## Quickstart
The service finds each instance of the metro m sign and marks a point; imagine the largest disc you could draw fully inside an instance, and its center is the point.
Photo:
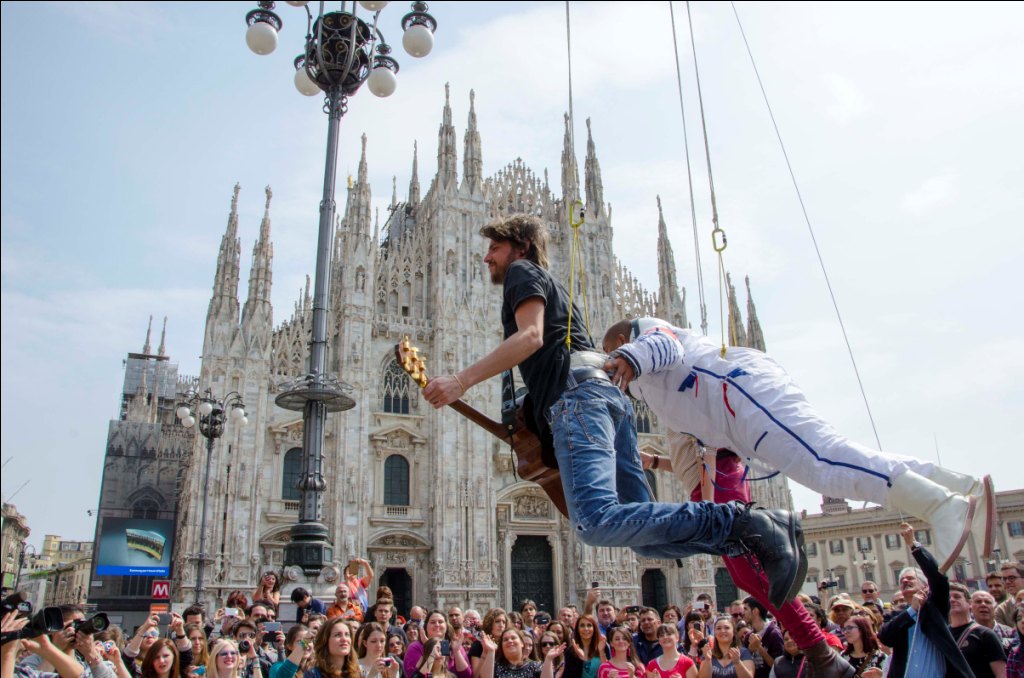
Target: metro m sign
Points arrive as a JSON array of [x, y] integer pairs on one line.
[[161, 589]]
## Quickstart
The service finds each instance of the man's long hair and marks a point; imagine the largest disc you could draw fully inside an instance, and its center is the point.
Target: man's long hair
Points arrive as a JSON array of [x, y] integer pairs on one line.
[[522, 230]]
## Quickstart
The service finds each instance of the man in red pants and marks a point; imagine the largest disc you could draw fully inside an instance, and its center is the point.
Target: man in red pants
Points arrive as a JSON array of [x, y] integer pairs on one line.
[[724, 483]]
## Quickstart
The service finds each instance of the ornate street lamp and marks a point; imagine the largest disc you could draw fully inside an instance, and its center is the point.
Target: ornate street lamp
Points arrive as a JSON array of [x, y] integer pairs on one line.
[[867, 564], [211, 419], [339, 57]]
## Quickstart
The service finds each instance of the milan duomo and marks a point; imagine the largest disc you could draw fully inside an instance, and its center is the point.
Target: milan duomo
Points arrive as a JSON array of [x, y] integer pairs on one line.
[[426, 496]]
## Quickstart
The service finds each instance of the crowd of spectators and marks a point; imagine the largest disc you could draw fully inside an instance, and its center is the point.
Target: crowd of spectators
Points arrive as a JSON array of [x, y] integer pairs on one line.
[[351, 638]]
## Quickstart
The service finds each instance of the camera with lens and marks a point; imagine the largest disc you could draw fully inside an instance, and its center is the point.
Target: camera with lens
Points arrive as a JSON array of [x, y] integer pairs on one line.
[[829, 584], [46, 620], [244, 646], [94, 624]]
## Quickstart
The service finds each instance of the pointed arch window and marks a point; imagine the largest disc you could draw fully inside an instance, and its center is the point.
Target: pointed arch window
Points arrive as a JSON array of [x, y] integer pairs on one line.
[[643, 416], [291, 474], [145, 508], [396, 382], [396, 481]]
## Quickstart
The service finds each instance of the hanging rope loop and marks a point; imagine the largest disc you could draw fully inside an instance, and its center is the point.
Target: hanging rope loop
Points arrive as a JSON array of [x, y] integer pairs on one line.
[[573, 220], [718, 240]]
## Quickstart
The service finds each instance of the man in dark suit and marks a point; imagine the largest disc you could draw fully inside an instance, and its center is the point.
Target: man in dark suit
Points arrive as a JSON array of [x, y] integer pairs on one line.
[[921, 642]]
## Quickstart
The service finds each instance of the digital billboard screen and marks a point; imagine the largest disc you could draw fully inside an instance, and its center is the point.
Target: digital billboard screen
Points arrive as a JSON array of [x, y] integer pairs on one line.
[[133, 546]]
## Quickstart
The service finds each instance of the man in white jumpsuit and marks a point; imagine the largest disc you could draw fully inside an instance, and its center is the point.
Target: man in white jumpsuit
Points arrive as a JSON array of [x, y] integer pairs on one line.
[[747, 403]]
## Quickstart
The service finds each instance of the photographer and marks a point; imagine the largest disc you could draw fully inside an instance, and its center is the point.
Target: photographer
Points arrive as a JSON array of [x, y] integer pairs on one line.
[[373, 660], [298, 645], [62, 640], [65, 665], [248, 636]]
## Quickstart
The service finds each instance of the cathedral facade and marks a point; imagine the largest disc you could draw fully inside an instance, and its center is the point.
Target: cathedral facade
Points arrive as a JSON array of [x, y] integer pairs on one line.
[[429, 498]]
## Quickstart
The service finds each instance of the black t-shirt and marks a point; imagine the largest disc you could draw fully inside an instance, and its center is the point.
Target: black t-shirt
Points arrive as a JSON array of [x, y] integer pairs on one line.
[[546, 370], [979, 646]]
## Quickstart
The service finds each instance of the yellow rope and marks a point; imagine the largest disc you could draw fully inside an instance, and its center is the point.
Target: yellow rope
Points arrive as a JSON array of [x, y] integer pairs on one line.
[[576, 254]]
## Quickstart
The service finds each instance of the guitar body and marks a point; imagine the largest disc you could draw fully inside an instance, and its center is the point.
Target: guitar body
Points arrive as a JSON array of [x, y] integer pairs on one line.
[[535, 453]]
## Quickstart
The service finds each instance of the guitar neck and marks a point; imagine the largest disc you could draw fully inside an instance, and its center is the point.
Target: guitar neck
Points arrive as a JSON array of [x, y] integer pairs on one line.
[[480, 419]]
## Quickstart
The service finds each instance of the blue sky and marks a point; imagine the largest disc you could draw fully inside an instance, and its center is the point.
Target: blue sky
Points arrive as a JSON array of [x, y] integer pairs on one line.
[[124, 134]]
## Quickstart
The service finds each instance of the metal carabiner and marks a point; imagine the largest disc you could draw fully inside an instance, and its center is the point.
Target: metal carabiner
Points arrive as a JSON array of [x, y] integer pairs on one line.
[[715, 236]]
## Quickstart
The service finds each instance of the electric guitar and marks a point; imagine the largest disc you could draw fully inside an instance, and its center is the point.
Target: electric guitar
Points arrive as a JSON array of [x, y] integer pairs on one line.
[[534, 458]]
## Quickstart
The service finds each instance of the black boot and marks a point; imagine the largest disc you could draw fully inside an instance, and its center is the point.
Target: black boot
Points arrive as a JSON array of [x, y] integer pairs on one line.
[[775, 538], [826, 662]]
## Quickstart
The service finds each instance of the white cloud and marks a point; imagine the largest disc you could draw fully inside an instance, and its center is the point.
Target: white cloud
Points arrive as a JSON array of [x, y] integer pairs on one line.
[[933, 194], [849, 102]]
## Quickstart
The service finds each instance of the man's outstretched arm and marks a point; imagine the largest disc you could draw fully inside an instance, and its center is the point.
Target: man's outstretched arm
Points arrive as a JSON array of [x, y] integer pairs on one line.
[[527, 340]]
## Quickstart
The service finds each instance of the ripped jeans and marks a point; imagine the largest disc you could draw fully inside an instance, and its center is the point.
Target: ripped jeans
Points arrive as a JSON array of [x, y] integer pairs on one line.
[[609, 500]]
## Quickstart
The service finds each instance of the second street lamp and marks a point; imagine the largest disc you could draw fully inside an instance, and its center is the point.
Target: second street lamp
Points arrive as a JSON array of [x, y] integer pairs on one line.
[[338, 58], [211, 419]]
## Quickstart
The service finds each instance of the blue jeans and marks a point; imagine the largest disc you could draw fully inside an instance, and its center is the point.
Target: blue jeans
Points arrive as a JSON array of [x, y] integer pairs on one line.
[[609, 500]]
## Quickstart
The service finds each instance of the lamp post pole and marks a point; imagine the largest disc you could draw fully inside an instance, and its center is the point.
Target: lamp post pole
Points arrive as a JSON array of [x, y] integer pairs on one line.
[[338, 58], [211, 412]]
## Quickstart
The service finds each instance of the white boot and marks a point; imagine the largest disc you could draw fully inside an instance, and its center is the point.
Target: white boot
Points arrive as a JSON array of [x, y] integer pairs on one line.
[[949, 515], [983, 528]]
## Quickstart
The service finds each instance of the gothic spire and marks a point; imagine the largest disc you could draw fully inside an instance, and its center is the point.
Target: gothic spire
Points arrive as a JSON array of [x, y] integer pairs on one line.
[[163, 339], [447, 158], [755, 335], [357, 213], [737, 335], [394, 192], [570, 171], [261, 273], [473, 164], [414, 182], [592, 175], [224, 303], [146, 348], [671, 305]]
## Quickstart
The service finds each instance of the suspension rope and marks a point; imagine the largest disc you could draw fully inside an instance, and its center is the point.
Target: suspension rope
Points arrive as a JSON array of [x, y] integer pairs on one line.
[[718, 239], [810, 229], [576, 248], [689, 179]]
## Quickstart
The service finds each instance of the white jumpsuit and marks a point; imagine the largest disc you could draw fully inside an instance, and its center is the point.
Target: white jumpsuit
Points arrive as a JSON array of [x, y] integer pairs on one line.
[[746, 402]]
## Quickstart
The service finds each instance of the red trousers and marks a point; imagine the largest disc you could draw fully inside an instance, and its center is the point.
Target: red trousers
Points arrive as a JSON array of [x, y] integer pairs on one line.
[[730, 485]]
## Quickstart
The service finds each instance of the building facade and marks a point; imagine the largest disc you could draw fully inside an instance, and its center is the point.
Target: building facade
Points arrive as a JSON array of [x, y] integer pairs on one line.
[[430, 499], [849, 545], [143, 470], [14, 531]]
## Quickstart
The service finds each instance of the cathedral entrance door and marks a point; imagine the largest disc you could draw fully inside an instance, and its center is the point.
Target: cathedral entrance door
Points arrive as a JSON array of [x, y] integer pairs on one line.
[[655, 590], [532, 573], [400, 583], [725, 589]]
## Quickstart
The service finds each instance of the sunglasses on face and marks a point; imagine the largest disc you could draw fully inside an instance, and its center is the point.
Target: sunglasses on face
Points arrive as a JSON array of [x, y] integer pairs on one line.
[[227, 653], [867, 590], [547, 643]]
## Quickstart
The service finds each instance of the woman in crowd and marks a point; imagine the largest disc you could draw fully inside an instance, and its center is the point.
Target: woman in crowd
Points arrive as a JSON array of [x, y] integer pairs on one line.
[[670, 664], [372, 650], [791, 663], [840, 610], [515, 619], [437, 629], [623, 657], [269, 588], [145, 636], [225, 661], [396, 647], [494, 624], [508, 658], [315, 623], [529, 646], [163, 660], [333, 654], [298, 650], [432, 663], [560, 631], [862, 651], [238, 600], [725, 658], [586, 649], [694, 638], [548, 651], [200, 651]]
